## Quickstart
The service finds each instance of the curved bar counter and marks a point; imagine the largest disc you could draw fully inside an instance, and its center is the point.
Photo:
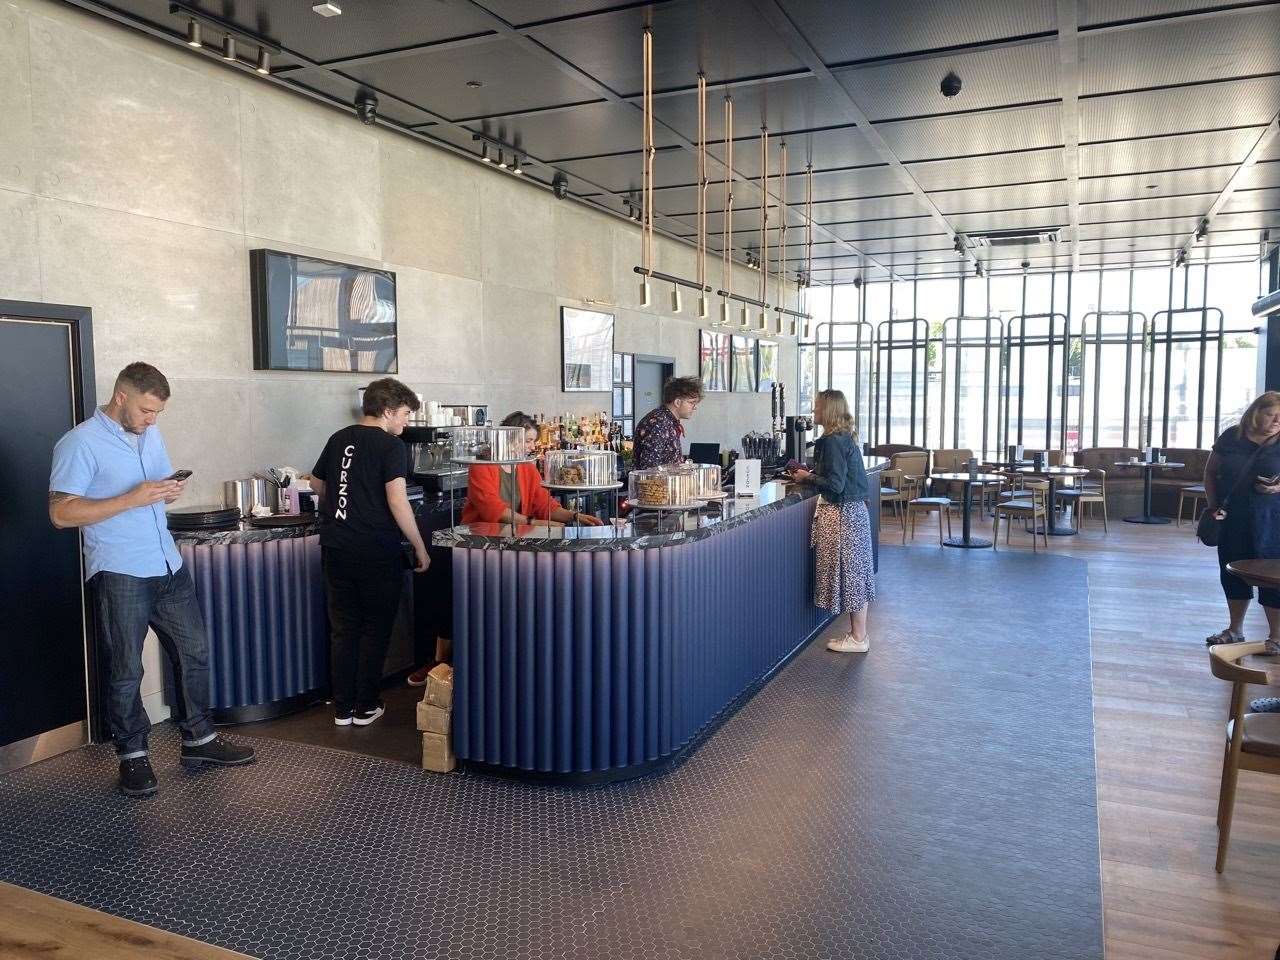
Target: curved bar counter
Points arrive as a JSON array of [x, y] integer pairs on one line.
[[607, 653], [262, 595]]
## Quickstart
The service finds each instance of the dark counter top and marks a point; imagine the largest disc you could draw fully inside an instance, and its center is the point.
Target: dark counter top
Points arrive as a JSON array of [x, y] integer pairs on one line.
[[242, 533], [650, 529]]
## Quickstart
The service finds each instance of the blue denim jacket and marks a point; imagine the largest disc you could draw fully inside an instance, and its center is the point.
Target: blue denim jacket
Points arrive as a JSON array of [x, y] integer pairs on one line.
[[838, 470]]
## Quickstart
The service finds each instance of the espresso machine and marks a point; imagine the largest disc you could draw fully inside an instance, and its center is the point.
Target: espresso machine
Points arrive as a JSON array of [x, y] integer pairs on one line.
[[430, 452]]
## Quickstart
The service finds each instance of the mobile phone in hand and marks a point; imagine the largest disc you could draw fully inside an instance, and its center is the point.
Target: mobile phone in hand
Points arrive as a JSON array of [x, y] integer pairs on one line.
[[180, 475]]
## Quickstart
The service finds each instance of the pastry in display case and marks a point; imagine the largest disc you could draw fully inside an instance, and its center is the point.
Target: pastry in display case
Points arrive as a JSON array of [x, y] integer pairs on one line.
[[580, 468], [664, 487]]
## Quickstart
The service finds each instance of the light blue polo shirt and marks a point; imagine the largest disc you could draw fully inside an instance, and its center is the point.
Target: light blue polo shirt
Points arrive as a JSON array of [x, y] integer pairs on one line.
[[96, 461]]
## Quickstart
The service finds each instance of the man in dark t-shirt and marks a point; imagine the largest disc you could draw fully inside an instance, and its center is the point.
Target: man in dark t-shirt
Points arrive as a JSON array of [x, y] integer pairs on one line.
[[364, 508]]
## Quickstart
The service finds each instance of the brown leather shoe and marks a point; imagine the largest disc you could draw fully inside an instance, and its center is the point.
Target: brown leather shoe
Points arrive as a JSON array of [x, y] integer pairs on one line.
[[419, 677]]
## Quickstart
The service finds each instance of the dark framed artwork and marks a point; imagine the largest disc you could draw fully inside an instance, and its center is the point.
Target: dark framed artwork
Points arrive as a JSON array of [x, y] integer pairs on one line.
[[586, 351], [321, 315], [743, 366], [766, 365], [713, 360]]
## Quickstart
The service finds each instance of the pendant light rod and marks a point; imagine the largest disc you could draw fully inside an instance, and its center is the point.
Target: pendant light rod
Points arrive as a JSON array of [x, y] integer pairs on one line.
[[726, 270], [764, 211], [669, 278], [782, 226]]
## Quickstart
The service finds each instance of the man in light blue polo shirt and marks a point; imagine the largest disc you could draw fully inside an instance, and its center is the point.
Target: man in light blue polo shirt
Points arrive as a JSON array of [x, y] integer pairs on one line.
[[111, 478]]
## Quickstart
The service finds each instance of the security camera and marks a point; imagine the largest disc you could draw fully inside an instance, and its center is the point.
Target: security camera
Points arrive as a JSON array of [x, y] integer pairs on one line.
[[366, 106], [560, 185], [950, 85], [857, 283]]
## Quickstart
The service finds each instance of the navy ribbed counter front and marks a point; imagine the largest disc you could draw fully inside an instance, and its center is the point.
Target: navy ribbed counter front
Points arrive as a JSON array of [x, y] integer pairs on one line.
[[609, 653]]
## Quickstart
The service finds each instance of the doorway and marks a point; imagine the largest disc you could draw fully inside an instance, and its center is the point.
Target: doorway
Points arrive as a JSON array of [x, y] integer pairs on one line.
[[650, 374], [46, 653]]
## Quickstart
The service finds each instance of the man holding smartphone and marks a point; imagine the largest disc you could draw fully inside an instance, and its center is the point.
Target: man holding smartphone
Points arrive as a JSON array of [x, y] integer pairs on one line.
[[112, 477]]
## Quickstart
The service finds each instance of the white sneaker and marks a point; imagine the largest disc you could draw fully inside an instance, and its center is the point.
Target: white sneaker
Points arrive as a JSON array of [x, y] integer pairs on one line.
[[849, 644]]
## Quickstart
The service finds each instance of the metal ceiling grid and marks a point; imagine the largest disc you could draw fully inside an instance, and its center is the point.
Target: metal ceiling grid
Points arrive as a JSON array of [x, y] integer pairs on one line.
[[522, 12], [1247, 200], [1024, 166], [674, 166], [878, 181], [1230, 103], [1244, 43], [366, 27], [1137, 228], [587, 130], [825, 149], [878, 208], [1170, 152], [937, 241], [848, 32], [1121, 245], [1093, 12], [1001, 198], [343, 89], [919, 226], [512, 77], [963, 134], [708, 35], [1261, 175], [683, 201], [784, 105], [1145, 209], [1258, 221], [999, 77], [1163, 184], [1011, 219]]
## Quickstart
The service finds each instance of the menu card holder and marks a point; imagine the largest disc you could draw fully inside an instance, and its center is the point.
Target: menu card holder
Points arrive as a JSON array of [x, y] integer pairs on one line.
[[746, 478]]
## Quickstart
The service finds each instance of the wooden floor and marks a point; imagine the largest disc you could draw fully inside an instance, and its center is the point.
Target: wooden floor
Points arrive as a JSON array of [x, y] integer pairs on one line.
[[36, 927], [1159, 718]]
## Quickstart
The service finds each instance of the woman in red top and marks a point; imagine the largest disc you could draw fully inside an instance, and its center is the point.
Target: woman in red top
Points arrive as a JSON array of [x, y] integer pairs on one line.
[[498, 495]]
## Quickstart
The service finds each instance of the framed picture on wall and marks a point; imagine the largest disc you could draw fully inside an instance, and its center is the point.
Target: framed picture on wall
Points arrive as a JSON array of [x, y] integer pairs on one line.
[[321, 315], [743, 367], [586, 351], [713, 360], [766, 365]]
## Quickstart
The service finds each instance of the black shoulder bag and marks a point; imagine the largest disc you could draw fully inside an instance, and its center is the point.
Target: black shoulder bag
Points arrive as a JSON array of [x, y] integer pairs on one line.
[[1209, 528]]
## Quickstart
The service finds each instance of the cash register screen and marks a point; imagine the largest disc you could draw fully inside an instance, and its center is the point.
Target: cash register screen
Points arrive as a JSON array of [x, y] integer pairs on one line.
[[708, 453]]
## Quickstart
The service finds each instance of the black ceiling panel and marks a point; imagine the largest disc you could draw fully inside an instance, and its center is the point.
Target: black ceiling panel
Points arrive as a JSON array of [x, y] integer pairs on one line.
[[1025, 166], [672, 167], [709, 35], [1235, 103], [977, 133], [845, 32], [1136, 186], [846, 184], [344, 90], [522, 12], [584, 131], [513, 79], [1117, 11], [783, 105], [369, 26], [1246, 43], [991, 78], [825, 149]]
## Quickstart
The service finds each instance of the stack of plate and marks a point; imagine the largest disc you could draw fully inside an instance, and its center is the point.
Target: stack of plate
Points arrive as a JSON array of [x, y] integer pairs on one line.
[[202, 518]]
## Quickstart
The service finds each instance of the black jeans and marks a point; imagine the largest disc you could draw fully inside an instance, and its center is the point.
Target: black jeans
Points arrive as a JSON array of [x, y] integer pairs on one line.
[[125, 607], [363, 597]]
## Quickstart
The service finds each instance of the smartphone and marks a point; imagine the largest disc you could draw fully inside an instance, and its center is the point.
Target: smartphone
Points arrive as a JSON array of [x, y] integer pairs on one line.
[[180, 475]]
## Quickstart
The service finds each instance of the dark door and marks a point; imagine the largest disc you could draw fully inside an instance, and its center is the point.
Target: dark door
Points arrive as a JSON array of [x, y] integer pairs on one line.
[[44, 703], [650, 375]]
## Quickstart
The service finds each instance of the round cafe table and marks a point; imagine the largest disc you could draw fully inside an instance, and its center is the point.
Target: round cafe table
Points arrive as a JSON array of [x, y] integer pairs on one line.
[[966, 541], [1147, 467], [1052, 474]]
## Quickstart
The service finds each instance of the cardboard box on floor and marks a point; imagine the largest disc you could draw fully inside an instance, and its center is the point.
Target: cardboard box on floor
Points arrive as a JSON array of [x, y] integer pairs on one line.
[[433, 719], [440, 687], [437, 753]]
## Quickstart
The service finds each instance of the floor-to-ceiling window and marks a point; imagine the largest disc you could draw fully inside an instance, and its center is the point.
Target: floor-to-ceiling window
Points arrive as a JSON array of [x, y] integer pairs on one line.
[[1098, 358]]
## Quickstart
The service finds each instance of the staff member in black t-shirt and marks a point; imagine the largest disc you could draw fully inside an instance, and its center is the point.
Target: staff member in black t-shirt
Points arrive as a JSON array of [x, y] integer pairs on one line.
[[360, 478]]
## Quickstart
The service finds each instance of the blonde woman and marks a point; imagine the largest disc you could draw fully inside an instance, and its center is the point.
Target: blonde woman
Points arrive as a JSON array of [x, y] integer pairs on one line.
[[1249, 509], [845, 579]]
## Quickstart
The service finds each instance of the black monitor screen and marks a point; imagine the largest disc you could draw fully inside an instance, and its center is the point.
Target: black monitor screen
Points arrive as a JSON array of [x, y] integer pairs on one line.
[[311, 314], [708, 453]]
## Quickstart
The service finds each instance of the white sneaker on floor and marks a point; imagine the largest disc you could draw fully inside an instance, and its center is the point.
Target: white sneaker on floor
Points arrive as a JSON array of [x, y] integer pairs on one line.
[[849, 644]]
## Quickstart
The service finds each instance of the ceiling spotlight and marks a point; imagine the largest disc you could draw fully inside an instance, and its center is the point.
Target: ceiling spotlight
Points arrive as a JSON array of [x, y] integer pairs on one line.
[[193, 33], [484, 151], [1202, 229], [264, 61], [502, 160], [475, 84], [326, 9], [560, 185], [366, 106], [518, 167], [950, 85], [857, 283], [228, 47], [1182, 258], [1152, 186], [675, 299], [958, 246]]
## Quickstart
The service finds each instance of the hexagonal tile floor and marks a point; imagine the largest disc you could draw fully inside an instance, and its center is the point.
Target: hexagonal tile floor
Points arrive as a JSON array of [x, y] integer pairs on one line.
[[932, 799]]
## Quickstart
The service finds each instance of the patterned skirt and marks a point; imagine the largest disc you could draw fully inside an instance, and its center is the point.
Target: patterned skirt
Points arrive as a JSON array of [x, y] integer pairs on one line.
[[844, 570]]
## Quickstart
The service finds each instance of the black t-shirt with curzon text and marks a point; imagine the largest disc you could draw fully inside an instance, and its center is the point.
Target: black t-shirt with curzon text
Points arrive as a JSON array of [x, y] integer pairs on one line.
[[356, 465]]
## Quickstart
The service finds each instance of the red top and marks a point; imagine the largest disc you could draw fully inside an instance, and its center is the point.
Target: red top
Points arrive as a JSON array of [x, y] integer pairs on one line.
[[484, 501]]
